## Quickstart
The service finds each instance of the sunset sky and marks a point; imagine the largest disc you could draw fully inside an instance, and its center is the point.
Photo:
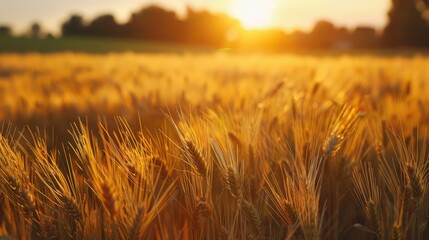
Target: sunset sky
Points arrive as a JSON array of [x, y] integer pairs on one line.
[[286, 14]]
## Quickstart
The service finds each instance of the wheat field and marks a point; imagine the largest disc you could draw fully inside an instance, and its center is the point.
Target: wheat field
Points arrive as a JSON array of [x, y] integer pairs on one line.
[[213, 146]]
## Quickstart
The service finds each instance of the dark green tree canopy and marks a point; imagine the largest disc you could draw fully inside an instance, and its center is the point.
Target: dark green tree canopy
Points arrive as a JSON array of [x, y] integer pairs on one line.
[[5, 30], [75, 25], [35, 30], [406, 26], [104, 26]]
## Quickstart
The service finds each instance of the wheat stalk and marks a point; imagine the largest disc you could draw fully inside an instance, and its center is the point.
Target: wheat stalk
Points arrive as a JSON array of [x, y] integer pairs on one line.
[[252, 216], [134, 232], [196, 158]]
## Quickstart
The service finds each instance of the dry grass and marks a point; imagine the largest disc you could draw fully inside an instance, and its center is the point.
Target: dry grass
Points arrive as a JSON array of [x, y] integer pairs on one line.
[[213, 147]]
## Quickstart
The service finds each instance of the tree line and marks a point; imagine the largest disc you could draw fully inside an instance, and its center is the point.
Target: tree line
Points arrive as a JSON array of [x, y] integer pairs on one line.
[[406, 27], [205, 28], [155, 23]]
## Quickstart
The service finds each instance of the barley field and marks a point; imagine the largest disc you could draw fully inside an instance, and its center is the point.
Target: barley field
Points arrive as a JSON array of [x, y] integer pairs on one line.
[[213, 146]]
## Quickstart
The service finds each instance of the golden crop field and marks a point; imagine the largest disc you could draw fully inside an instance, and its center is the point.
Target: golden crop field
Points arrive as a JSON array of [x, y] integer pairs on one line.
[[213, 146]]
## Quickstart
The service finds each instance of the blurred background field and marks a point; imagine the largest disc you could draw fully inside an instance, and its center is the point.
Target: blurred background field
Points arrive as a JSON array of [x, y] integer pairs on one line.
[[56, 89], [101, 46], [91, 45]]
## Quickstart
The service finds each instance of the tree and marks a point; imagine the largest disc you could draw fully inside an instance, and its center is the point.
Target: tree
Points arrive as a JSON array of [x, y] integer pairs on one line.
[[154, 23], [35, 30], [406, 26], [326, 35], [206, 28], [103, 26], [364, 37], [5, 31], [73, 26]]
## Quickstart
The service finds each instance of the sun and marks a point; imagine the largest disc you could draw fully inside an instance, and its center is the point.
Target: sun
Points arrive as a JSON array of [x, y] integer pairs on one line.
[[253, 13]]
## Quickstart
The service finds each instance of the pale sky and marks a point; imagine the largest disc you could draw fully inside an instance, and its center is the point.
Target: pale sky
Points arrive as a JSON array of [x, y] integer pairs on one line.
[[286, 14]]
